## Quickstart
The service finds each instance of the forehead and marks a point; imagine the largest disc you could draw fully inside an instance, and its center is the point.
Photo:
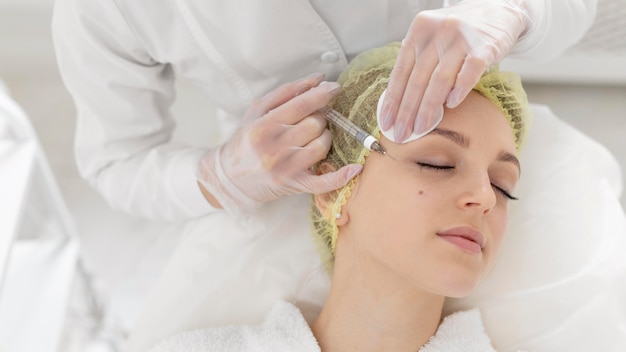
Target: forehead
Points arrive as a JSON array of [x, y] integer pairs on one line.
[[478, 116]]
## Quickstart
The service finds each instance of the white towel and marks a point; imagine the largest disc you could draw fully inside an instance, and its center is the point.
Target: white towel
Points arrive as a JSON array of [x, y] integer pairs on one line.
[[461, 331], [285, 329]]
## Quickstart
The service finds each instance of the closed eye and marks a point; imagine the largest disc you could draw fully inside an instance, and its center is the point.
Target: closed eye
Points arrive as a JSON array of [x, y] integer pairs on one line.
[[435, 167], [504, 193], [450, 167]]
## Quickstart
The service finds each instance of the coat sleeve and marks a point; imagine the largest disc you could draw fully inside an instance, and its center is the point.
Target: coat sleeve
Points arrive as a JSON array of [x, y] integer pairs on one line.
[[555, 25], [123, 135]]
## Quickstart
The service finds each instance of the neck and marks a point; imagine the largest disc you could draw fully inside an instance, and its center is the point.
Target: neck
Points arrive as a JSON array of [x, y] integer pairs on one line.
[[370, 309]]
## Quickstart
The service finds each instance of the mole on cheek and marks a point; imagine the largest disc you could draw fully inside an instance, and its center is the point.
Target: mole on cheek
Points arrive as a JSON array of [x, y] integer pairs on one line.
[[421, 193]]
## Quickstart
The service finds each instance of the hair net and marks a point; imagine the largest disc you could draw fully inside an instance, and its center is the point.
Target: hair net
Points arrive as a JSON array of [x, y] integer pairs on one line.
[[362, 83]]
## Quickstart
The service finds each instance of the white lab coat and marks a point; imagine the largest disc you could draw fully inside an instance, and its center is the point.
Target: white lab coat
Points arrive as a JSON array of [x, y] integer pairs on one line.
[[120, 59]]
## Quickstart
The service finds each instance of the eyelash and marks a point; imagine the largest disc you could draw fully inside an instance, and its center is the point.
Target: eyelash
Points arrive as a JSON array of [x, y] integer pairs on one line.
[[505, 193], [435, 167], [447, 168]]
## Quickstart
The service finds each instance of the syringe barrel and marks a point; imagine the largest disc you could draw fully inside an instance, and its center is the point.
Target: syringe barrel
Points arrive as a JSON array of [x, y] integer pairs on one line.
[[346, 124], [360, 135]]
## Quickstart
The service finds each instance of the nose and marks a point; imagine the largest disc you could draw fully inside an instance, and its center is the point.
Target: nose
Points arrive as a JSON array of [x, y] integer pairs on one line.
[[477, 193]]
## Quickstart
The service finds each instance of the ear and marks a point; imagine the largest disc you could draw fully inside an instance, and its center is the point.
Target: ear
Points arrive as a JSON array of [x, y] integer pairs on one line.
[[323, 201]]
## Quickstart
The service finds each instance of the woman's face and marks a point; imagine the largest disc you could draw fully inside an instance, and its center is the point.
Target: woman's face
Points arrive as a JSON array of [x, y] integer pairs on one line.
[[434, 211]]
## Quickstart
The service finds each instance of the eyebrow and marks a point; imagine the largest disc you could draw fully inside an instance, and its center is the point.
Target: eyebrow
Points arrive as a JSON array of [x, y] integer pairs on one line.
[[508, 157], [464, 142], [456, 137]]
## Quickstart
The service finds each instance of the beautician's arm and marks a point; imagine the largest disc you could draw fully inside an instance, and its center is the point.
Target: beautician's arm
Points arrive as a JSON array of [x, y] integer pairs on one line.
[[123, 137], [554, 27]]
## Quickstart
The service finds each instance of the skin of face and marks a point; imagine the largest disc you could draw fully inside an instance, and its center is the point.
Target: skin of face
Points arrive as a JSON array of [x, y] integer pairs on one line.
[[402, 202]]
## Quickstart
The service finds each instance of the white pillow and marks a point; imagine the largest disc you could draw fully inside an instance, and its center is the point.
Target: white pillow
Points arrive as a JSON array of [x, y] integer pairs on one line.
[[559, 284]]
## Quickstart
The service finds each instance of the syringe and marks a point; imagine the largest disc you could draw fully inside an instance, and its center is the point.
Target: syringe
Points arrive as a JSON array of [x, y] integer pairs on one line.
[[363, 137]]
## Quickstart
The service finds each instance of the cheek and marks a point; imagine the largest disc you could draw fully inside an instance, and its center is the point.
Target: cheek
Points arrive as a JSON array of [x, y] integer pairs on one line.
[[403, 200], [418, 204], [401, 192]]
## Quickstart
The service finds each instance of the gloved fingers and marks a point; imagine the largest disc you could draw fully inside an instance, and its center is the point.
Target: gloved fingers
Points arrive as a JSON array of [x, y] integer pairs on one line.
[[305, 104], [452, 52], [288, 163], [468, 36], [409, 78], [303, 132], [316, 149], [398, 80], [426, 61], [282, 95], [410, 68], [437, 64], [318, 184], [272, 140], [467, 78], [301, 158]]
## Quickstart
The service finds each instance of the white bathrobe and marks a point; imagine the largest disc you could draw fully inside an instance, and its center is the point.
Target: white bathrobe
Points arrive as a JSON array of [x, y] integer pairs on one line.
[[285, 329]]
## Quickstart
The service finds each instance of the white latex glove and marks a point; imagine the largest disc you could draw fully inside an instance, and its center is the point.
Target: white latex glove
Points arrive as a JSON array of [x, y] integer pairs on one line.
[[270, 156], [443, 56]]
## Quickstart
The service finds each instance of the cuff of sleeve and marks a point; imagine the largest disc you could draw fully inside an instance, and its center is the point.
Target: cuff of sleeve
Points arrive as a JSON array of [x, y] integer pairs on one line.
[[184, 183], [537, 12], [554, 27]]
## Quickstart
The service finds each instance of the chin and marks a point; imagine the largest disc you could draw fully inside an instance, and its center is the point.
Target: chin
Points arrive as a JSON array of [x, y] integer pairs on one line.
[[460, 292], [460, 287], [457, 279]]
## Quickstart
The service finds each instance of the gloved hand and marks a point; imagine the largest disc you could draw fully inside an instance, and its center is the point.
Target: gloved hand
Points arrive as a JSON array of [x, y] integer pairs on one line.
[[270, 156], [443, 56]]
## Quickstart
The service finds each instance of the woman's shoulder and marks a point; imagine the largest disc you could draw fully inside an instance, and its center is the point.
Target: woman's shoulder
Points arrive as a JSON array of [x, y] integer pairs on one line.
[[284, 329]]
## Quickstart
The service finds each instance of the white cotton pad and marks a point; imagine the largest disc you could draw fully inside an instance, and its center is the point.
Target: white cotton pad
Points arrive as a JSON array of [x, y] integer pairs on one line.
[[389, 134]]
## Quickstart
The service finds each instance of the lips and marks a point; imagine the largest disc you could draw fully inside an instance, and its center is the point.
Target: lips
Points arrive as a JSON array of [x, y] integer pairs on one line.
[[464, 237]]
